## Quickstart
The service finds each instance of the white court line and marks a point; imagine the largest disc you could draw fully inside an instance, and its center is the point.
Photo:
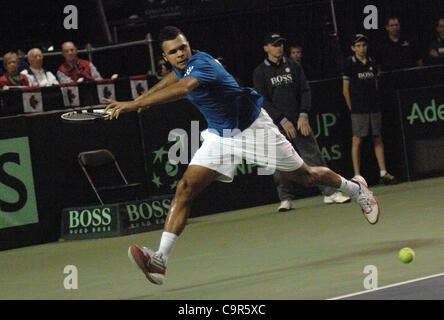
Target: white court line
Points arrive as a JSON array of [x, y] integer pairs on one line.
[[385, 287]]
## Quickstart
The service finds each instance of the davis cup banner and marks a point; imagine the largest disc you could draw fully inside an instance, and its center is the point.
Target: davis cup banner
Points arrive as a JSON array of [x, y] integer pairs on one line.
[[18, 204]]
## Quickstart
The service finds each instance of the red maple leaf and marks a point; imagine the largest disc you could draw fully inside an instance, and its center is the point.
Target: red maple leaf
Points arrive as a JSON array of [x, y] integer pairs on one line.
[[33, 102], [106, 92], [140, 89]]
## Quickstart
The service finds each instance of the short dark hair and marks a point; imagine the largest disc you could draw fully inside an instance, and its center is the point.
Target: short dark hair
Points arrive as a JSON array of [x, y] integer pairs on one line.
[[440, 19], [393, 17], [169, 33], [295, 45]]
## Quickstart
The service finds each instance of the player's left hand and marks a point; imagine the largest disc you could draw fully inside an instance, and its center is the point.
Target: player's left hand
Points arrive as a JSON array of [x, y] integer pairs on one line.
[[118, 107], [304, 125]]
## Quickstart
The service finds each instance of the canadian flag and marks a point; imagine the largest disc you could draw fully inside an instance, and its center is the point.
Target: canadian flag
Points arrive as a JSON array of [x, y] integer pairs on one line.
[[70, 94], [32, 99], [105, 89], [138, 85]]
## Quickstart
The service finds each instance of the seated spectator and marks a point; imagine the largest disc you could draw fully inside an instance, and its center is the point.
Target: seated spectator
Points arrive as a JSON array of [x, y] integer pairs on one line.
[[22, 64], [12, 77], [75, 68], [396, 51], [38, 76], [436, 48]]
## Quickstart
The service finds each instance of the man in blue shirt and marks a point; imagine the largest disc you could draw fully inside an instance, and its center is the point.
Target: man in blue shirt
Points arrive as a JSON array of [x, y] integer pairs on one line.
[[236, 122]]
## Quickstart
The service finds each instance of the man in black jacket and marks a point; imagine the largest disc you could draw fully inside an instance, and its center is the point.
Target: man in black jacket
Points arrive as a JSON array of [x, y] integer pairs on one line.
[[287, 100]]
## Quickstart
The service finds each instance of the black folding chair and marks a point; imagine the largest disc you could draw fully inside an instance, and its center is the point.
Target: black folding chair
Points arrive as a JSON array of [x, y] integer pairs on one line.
[[106, 178]]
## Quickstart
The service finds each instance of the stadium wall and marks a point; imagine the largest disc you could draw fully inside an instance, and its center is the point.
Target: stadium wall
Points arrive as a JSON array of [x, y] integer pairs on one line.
[[40, 175]]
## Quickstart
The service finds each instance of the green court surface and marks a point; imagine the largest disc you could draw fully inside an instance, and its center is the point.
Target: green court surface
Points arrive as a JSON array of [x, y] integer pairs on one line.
[[314, 252]]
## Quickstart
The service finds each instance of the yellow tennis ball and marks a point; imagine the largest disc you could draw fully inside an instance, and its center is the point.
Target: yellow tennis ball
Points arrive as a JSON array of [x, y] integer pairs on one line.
[[406, 255]]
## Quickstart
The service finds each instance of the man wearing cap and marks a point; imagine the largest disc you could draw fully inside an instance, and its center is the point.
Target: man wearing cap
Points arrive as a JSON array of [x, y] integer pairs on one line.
[[287, 100], [360, 92]]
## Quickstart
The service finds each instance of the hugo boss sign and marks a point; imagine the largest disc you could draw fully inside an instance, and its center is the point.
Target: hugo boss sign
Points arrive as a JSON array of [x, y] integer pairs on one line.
[[115, 219], [145, 215], [90, 222]]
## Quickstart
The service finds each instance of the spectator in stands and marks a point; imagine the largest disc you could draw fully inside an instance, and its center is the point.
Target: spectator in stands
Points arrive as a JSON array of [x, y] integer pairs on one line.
[[75, 68], [436, 48], [38, 76], [163, 68], [360, 91], [396, 51], [12, 77], [296, 54], [287, 99]]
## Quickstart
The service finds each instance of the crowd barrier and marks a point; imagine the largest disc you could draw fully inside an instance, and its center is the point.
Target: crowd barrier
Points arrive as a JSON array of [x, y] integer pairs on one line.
[[41, 99], [40, 176]]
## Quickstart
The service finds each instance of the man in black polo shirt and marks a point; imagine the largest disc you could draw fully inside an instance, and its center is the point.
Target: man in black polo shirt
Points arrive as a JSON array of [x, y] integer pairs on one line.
[[395, 50], [287, 100], [360, 92], [436, 48]]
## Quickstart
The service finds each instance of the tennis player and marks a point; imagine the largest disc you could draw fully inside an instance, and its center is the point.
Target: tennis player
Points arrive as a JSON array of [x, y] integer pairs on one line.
[[230, 111]]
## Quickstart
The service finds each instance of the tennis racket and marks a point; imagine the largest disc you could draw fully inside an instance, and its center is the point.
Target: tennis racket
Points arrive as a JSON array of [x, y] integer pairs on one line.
[[85, 116]]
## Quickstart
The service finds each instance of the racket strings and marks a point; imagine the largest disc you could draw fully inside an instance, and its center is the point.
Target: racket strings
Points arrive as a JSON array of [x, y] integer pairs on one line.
[[75, 116]]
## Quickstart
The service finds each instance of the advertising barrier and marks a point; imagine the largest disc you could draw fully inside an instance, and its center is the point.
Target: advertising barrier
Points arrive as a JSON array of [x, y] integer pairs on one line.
[[421, 113], [17, 101], [17, 197], [111, 220]]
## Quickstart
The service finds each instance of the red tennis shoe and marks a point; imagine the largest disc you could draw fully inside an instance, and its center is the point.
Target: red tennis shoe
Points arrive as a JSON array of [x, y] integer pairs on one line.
[[152, 264]]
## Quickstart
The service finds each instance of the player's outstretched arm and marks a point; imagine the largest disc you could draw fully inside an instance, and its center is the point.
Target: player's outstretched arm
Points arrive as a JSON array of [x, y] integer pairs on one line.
[[173, 92], [166, 81]]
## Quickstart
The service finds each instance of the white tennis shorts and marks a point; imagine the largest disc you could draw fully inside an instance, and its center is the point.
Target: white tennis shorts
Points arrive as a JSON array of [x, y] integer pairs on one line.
[[262, 144]]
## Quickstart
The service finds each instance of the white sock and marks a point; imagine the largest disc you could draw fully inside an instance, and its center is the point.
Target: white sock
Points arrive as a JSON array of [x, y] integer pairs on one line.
[[349, 187], [167, 242], [382, 172]]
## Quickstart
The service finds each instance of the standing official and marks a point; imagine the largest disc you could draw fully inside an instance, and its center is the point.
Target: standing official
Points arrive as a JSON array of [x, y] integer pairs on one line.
[[396, 51], [287, 99], [436, 48], [360, 92]]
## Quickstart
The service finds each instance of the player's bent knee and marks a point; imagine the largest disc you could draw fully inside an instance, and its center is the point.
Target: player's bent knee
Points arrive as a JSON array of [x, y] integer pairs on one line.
[[184, 191]]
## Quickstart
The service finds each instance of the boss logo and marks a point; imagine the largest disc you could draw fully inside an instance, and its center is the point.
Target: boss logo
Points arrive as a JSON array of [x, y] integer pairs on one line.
[[90, 217], [366, 75], [281, 79], [148, 210]]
